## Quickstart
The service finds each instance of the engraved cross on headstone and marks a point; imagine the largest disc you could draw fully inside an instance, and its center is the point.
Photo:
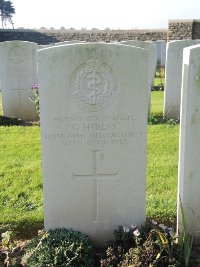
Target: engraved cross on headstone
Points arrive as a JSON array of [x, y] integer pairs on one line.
[[95, 175], [19, 86], [20, 93]]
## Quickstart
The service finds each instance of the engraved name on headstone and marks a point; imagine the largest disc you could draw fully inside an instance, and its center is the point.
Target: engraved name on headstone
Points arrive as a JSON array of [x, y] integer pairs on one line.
[[93, 120]]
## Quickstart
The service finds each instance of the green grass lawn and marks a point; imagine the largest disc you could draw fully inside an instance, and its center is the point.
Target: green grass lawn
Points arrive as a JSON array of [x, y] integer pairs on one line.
[[21, 199], [20, 173], [159, 81], [157, 101], [162, 171]]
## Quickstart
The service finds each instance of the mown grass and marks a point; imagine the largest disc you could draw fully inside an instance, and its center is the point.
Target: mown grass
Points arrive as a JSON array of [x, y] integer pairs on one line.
[[159, 81], [157, 101], [20, 175], [21, 199], [162, 165], [162, 171]]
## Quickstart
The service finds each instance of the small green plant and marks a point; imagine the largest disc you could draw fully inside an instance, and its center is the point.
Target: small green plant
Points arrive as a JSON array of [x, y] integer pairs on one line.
[[114, 255], [153, 245], [159, 80], [7, 239], [35, 97], [155, 249], [185, 240], [152, 119], [160, 72], [123, 240], [7, 243], [60, 248], [124, 237], [6, 121], [156, 119], [172, 121]]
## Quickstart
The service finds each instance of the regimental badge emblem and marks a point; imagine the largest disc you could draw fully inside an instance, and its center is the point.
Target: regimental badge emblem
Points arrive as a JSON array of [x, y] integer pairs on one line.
[[18, 54], [93, 87]]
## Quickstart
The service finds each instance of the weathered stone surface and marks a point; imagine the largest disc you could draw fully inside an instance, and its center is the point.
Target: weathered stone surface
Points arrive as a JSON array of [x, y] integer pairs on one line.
[[69, 42], [161, 53], [152, 57], [44, 37], [151, 60], [45, 46], [93, 119], [186, 29], [189, 167], [177, 30], [173, 77], [18, 73]]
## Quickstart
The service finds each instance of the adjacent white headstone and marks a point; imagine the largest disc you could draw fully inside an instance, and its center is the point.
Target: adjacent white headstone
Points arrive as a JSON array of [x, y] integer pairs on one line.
[[69, 42], [45, 46], [59, 43], [161, 53], [93, 120], [151, 60], [18, 73], [189, 151], [173, 77], [152, 56]]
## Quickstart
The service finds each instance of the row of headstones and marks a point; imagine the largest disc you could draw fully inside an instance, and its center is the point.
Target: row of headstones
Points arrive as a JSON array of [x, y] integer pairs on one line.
[[182, 101], [173, 77], [160, 49], [94, 137], [18, 73], [171, 57], [94, 106]]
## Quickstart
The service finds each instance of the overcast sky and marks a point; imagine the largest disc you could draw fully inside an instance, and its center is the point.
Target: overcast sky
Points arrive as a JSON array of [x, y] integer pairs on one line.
[[114, 14]]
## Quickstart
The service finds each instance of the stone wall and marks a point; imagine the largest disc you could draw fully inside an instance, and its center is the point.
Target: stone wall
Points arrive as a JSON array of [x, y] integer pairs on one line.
[[183, 29], [43, 37], [196, 29], [177, 30]]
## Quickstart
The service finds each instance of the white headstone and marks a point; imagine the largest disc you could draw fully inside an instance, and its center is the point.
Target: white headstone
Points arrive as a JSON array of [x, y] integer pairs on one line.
[[45, 46], [161, 53], [152, 56], [151, 60], [18, 73], [69, 42], [189, 151], [93, 120], [173, 77]]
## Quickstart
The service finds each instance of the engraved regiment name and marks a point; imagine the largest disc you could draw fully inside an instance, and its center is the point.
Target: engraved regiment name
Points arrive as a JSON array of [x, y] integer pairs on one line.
[[95, 130]]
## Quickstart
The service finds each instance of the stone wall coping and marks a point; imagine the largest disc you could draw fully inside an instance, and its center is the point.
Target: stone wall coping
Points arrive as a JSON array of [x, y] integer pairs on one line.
[[81, 31], [181, 20]]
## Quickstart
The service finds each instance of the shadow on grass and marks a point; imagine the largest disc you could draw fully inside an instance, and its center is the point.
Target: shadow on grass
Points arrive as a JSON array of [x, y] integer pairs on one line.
[[152, 120], [7, 121], [24, 230], [158, 119]]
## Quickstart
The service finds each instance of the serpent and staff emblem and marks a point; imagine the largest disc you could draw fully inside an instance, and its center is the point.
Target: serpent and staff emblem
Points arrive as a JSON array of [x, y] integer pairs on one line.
[[92, 85]]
